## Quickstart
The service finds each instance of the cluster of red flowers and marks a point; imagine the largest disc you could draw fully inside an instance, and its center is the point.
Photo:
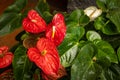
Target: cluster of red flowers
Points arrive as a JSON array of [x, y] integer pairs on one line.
[[45, 54]]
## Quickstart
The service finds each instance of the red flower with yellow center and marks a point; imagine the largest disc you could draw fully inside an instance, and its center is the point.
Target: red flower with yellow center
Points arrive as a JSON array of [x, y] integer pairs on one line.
[[45, 56], [34, 23], [56, 30], [5, 57]]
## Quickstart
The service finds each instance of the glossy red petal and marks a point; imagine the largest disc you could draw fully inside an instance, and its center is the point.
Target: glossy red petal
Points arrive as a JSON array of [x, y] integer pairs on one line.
[[33, 54], [6, 60], [58, 28], [34, 23], [48, 62], [58, 21], [44, 43], [4, 49]]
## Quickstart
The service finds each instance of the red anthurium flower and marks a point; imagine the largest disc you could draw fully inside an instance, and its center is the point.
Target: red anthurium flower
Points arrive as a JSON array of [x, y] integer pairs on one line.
[[45, 56], [34, 23], [56, 30], [5, 57]]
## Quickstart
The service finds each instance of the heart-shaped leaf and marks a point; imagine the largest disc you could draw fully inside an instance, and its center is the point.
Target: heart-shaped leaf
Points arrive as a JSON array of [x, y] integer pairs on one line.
[[84, 67], [68, 57], [92, 35], [105, 50], [114, 16], [73, 35]]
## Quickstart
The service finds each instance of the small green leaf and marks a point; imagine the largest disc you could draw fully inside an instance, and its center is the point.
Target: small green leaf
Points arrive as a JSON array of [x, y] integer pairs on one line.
[[101, 4], [105, 50], [75, 33], [99, 23], [84, 20], [75, 15], [109, 29], [68, 57], [21, 64], [92, 35], [114, 16], [105, 25]]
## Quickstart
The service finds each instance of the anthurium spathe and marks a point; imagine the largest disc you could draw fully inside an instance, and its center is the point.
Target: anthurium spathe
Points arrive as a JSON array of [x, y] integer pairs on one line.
[[45, 56], [34, 23], [56, 30], [5, 57]]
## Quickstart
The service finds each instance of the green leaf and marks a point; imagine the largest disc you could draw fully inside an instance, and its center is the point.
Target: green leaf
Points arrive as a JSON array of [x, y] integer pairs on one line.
[[16, 7], [84, 20], [113, 12], [73, 35], [68, 57], [47, 16], [112, 73], [114, 16], [12, 17], [112, 4], [102, 76], [109, 29], [105, 25], [75, 15], [42, 6], [9, 22], [101, 4], [105, 50], [71, 24], [83, 67], [21, 64], [92, 35], [99, 23]]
